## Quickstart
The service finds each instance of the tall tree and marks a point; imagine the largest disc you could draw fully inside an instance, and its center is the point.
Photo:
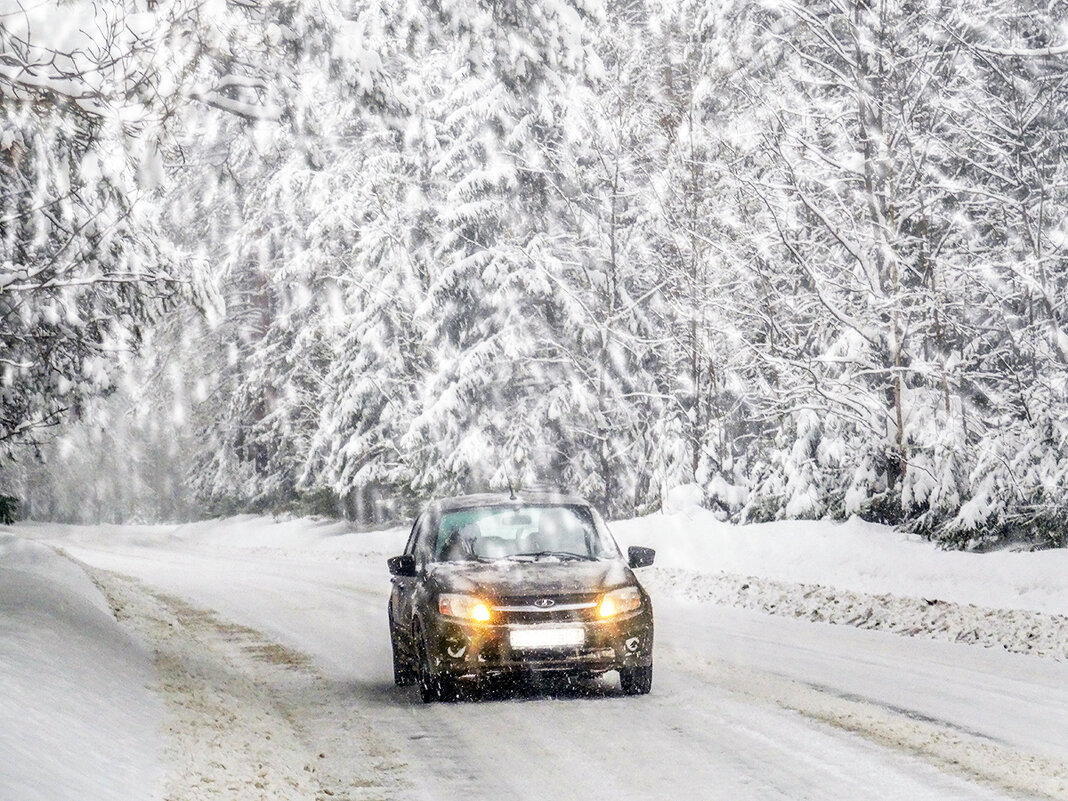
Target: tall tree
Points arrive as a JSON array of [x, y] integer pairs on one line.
[[82, 266]]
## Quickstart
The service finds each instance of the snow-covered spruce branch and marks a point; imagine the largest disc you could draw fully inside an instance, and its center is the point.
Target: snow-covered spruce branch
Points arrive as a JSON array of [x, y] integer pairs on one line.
[[57, 282], [21, 76], [50, 420], [266, 112], [1014, 52]]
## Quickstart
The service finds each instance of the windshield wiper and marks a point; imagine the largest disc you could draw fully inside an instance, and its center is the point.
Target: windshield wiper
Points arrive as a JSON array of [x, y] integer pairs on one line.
[[470, 558], [559, 554]]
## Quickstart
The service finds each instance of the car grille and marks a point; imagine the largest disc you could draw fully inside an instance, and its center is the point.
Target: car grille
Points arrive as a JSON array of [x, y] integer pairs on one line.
[[534, 609]]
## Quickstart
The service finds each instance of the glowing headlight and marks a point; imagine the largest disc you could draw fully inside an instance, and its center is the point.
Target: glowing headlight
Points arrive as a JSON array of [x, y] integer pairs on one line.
[[625, 599], [465, 606]]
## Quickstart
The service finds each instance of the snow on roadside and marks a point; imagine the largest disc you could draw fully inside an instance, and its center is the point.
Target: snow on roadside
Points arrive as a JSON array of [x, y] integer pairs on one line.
[[78, 718], [1015, 630], [858, 556], [851, 573], [860, 574], [314, 538]]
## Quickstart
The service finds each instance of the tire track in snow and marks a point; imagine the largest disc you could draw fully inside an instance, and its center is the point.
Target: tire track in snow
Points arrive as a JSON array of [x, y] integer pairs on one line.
[[242, 710], [951, 748]]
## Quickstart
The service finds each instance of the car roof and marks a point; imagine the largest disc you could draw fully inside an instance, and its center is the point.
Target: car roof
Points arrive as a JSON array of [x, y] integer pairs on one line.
[[504, 499]]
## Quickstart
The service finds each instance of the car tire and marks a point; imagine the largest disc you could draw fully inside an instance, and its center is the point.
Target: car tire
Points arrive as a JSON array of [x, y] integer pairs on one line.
[[403, 674], [431, 688], [637, 680], [448, 688]]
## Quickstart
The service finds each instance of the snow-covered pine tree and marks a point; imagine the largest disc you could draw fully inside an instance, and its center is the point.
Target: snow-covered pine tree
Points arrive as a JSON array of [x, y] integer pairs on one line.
[[502, 399], [705, 239], [306, 76], [379, 233], [611, 333], [1011, 189]]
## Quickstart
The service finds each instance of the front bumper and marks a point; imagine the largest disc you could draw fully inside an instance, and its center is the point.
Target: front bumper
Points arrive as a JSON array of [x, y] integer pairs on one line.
[[473, 650]]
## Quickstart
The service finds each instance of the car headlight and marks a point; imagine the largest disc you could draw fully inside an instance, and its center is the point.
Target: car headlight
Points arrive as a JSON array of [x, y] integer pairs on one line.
[[464, 606], [625, 599]]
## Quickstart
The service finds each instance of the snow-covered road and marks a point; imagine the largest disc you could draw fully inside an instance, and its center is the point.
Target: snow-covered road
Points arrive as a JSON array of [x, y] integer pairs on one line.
[[274, 654]]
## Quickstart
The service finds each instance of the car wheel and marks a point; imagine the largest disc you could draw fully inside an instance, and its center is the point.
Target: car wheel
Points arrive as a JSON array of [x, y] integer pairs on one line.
[[448, 688], [403, 675], [637, 680], [429, 685]]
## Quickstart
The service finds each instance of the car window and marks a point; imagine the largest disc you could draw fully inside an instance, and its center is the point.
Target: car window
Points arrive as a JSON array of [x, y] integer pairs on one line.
[[490, 533]]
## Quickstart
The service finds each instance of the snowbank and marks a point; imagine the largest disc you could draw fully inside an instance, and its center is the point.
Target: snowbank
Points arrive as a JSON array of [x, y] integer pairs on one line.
[[78, 719], [854, 555]]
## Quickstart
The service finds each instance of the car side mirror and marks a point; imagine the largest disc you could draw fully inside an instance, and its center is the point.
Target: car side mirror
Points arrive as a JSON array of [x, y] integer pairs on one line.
[[403, 565], [640, 557]]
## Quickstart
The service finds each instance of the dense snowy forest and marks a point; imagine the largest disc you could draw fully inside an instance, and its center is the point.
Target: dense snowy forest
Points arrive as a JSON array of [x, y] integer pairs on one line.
[[334, 256]]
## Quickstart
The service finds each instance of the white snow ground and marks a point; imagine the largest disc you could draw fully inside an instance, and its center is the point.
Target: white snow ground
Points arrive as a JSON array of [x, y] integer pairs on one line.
[[273, 660], [858, 556], [864, 575], [79, 715]]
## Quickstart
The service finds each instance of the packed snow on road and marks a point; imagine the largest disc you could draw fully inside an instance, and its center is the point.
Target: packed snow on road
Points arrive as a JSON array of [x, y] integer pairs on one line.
[[249, 658]]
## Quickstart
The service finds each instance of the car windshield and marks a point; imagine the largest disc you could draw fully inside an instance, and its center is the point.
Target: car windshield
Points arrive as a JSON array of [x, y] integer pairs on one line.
[[522, 533]]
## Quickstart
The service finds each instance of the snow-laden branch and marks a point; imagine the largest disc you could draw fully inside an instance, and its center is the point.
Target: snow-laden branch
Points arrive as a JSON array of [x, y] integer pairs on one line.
[[135, 278], [49, 420], [239, 81], [1040, 52], [267, 112], [20, 76]]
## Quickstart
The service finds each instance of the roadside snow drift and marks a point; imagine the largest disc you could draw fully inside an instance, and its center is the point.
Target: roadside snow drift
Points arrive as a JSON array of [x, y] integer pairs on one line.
[[78, 717], [854, 555], [860, 574]]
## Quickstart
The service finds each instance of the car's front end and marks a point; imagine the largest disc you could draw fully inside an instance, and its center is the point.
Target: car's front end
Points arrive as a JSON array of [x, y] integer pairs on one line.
[[472, 636], [492, 586]]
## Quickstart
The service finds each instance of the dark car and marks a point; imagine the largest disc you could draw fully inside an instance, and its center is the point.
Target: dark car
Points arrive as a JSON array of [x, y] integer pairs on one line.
[[492, 585]]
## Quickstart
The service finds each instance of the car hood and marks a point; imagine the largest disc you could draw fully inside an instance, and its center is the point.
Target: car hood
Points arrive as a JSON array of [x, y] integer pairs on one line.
[[544, 577]]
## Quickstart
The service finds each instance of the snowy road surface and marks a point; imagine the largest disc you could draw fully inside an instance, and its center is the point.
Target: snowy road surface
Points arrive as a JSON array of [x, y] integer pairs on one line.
[[273, 652]]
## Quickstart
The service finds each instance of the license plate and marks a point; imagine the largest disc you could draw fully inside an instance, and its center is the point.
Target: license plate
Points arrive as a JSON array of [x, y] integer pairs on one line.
[[541, 637]]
